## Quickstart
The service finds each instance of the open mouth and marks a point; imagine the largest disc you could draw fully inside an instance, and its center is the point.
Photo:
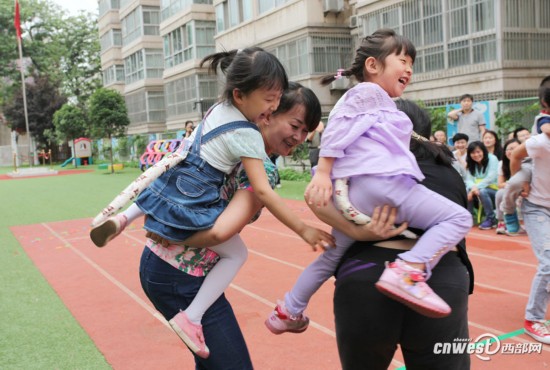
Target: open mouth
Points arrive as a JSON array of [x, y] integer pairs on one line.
[[403, 81]]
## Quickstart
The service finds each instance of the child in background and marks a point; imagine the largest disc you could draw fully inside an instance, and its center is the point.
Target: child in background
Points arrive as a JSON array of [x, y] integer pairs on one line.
[[367, 140], [519, 182], [536, 215], [186, 198]]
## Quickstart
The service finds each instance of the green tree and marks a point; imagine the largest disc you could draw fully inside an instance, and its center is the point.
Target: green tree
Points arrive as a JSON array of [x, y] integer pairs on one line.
[[108, 116], [70, 123], [43, 100], [80, 60], [63, 48]]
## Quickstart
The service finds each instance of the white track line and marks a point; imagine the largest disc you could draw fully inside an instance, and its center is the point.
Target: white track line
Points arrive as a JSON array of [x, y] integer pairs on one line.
[[110, 277]]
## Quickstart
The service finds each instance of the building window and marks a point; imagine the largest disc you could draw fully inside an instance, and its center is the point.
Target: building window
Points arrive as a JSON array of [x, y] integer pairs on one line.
[[113, 74], [231, 13], [331, 53], [171, 7], [266, 5], [145, 106], [458, 18], [155, 106], [136, 103], [484, 49], [184, 95], [106, 5], [459, 53], [145, 63], [113, 38], [483, 15], [194, 40], [141, 21]]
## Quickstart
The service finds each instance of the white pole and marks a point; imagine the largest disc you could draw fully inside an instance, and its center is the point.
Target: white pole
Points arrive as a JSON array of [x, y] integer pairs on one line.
[[31, 159]]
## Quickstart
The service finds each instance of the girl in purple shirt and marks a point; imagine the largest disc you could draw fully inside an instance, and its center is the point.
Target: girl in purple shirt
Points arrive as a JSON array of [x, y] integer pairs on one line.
[[366, 142]]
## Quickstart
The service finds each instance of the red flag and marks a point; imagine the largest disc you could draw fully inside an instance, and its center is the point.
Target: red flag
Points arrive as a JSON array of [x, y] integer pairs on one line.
[[17, 20]]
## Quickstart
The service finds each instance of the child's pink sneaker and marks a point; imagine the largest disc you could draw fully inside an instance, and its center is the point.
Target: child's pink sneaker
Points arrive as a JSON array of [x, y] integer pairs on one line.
[[407, 285], [538, 330], [190, 333], [108, 230], [281, 321]]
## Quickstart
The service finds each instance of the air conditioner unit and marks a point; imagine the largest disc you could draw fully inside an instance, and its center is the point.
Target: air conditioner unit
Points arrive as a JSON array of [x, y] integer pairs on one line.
[[333, 6], [339, 84], [355, 21]]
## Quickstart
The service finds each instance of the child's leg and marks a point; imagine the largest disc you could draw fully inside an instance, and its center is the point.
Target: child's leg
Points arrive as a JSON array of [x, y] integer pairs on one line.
[[445, 222], [233, 254], [288, 315], [114, 225], [314, 275], [513, 188], [187, 324], [131, 213]]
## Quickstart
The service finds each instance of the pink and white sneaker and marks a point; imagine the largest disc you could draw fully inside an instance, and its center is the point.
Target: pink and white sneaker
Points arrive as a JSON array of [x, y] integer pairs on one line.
[[407, 285], [281, 321], [107, 231], [191, 334]]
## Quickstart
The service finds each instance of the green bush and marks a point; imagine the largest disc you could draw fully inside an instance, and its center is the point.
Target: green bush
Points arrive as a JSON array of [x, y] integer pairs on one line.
[[288, 174]]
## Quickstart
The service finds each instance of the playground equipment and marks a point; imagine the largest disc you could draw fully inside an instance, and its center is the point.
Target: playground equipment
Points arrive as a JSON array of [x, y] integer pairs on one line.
[[156, 150], [81, 153]]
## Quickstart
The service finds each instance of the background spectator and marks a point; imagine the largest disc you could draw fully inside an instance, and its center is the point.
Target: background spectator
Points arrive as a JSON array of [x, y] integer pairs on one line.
[[469, 121], [492, 143]]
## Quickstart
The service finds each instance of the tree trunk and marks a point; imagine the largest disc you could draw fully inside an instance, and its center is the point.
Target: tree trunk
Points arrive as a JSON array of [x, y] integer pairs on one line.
[[74, 155], [111, 153]]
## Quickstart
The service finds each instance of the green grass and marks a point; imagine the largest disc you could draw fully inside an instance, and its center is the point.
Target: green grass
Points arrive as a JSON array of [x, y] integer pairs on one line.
[[36, 330]]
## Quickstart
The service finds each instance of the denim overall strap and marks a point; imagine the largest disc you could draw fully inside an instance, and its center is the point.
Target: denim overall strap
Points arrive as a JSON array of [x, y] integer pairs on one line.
[[200, 139], [228, 127]]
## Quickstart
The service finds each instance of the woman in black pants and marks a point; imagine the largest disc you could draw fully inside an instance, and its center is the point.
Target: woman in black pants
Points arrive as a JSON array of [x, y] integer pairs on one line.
[[369, 326]]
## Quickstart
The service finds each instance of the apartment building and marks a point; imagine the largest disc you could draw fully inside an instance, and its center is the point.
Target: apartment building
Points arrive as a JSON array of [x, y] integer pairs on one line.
[[151, 49]]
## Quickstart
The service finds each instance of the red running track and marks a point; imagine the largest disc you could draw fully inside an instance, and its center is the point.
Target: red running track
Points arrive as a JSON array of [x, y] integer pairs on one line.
[[100, 287]]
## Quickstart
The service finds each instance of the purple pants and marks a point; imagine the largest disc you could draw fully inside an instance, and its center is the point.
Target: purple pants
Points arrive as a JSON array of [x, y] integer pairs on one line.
[[445, 223]]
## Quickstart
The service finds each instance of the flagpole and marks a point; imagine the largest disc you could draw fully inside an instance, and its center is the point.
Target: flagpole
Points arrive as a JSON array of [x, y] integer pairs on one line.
[[17, 24], [24, 98]]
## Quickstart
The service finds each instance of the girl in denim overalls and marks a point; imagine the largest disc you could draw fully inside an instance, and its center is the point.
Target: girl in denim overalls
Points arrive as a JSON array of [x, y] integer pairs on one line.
[[186, 198]]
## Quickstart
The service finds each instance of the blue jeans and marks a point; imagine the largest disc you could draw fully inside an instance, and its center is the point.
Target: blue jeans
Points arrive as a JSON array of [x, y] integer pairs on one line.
[[487, 198], [537, 224], [172, 290]]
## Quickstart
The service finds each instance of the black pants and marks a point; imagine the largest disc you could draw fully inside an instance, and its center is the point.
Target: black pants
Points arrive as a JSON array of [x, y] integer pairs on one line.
[[369, 325]]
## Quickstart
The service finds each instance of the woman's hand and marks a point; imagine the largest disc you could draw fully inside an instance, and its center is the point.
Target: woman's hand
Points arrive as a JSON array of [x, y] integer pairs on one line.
[[317, 238], [382, 225]]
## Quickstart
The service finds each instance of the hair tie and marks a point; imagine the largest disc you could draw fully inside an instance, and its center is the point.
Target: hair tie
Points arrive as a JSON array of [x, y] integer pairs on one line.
[[417, 137], [339, 73]]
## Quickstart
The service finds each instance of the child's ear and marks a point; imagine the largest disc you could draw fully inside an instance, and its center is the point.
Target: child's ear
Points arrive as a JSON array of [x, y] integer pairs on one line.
[[237, 96], [371, 65]]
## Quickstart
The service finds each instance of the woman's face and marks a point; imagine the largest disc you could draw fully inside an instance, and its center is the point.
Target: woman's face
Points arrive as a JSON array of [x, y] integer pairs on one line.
[[477, 155], [283, 132], [509, 149], [489, 140]]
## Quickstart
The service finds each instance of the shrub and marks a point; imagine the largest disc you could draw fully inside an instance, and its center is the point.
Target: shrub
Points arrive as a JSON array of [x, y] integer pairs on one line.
[[289, 174]]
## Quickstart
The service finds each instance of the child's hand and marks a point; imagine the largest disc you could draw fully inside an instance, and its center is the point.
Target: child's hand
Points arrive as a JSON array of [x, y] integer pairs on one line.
[[317, 238], [319, 190]]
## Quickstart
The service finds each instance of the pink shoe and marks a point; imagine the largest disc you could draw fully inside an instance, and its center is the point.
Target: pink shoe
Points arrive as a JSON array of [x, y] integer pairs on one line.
[[407, 285], [281, 321], [538, 330], [108, 230], [190, 333]]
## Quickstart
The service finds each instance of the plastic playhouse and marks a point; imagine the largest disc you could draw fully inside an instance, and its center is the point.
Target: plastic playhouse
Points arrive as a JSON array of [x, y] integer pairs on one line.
[[81, 153], [156, 150]]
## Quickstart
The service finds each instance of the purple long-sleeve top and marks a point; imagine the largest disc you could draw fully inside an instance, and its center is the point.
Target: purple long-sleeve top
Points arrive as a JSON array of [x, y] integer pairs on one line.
[[368, 135]]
